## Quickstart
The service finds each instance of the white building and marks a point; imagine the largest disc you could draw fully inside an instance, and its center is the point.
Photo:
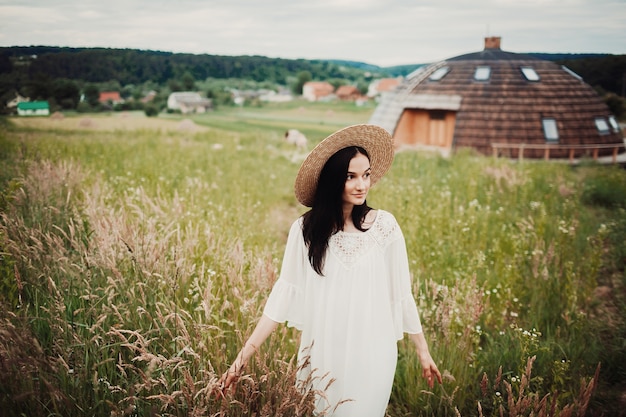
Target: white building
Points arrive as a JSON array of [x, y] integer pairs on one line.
[[188, 102]]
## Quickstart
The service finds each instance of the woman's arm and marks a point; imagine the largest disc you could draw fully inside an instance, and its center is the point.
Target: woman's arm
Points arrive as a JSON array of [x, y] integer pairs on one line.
[[263, 329], [429, 369]]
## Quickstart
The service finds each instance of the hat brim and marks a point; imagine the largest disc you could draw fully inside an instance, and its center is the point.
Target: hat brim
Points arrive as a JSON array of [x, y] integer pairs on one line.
[[375, 140]]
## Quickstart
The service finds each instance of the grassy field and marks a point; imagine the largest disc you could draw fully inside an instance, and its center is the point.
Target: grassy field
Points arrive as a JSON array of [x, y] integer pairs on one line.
[[136, 255]]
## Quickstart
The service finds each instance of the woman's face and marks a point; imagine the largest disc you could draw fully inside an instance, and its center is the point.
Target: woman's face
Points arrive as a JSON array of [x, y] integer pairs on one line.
[[357, 181]]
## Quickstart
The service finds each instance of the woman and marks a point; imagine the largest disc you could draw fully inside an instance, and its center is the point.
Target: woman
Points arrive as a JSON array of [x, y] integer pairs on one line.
[[345, 281]]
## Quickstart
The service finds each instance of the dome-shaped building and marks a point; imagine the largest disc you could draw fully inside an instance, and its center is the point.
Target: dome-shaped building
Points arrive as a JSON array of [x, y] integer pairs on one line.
[[500, 102]]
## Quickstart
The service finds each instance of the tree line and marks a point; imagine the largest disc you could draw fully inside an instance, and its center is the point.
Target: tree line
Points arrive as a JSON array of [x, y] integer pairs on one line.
[[42, 72], [62, 75]]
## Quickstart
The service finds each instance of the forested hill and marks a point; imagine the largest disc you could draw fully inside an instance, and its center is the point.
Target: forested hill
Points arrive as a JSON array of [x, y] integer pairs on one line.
[[62, 75], [129, 66]]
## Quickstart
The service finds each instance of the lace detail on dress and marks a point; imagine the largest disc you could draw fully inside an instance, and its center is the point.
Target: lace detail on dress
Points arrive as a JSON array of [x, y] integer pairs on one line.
[[349, 246], [385, 229]]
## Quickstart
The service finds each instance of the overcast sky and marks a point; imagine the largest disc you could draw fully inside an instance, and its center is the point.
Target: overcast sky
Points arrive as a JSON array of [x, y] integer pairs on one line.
[[380, 32]]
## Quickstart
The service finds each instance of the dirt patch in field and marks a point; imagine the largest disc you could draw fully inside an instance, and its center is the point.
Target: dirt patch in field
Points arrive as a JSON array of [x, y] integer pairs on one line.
[[117, 121], [281, 217], [187, 125]]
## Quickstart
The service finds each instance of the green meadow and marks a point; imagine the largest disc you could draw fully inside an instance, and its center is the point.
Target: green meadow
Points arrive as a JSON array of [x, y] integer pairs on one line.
[[136, 255]]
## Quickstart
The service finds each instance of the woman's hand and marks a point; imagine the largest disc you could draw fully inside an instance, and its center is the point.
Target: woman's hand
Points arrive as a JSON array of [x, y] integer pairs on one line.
[[263, 329], [429, 370], [228, 380]]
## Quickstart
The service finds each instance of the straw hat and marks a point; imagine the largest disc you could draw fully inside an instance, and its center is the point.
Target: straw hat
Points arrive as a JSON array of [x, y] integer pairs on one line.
[[375, 140]]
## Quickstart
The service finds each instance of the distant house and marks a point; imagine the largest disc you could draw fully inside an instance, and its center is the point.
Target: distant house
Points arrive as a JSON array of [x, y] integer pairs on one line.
[[18, 99], [33, 108], [382, 86], [110, 97], [188, 102], [281, 96], [348, 93], [317, 90], [150, 95]]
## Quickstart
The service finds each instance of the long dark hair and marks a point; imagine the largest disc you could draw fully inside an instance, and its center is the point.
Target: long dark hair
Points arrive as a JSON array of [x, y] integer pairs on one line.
[[326, 215]]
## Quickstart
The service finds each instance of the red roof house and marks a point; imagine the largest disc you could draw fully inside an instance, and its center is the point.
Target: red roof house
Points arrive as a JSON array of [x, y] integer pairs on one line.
[[348, 93], [316, 90], [110, 97]]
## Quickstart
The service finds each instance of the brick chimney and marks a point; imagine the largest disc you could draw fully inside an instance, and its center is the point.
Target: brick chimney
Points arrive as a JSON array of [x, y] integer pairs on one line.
[[492, 42]]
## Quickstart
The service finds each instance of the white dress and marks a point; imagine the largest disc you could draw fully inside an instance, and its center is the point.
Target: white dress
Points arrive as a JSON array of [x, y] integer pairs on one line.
[[352, 317]]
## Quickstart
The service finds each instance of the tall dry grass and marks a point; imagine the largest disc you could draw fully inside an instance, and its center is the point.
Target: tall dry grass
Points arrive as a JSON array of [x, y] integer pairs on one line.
[[133, 267], [130, 311]]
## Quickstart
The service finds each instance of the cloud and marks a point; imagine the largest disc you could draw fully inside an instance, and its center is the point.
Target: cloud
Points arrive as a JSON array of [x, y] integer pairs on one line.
[[383, 32]]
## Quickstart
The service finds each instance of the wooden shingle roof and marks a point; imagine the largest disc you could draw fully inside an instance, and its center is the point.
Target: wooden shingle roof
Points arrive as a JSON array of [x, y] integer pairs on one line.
[[506, 107]]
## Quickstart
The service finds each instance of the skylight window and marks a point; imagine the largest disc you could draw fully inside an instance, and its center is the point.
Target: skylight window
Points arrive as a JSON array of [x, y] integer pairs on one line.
[[602, 125], [530, 74], [613, 123], [572, 73], [482, 73], [550, 130], [416, 72], [439, 74]]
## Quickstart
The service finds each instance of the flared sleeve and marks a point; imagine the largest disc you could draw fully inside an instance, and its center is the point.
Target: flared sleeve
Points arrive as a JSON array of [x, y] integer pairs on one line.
[[404, 310], [286, 300]]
